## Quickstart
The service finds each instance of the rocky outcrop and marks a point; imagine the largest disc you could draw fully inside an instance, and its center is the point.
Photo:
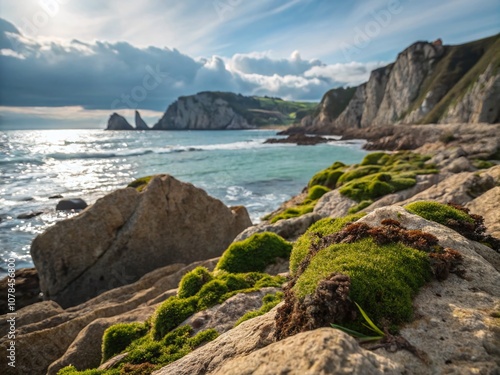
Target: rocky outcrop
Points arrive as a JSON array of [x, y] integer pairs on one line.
[[299, 140], [140, 124], [428, 83], [27, 288], [117, 122], [203, 111], [129, 233], [488, 204], [72, 336]]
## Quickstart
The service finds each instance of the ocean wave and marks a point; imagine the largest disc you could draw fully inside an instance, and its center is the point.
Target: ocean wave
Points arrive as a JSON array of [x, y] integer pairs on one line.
[[98, 155], [21, 160]]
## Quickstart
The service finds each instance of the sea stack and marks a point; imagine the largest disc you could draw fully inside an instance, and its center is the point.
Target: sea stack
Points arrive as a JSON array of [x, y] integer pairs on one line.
[[140, 124], [117, 122]]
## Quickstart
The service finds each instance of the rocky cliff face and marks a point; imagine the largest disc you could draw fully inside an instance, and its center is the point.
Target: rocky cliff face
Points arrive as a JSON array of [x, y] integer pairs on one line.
[[428, 83], [203, 111], [117, 122]]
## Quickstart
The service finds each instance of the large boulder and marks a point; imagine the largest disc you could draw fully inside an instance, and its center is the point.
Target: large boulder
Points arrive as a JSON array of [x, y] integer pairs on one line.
[[488, 206], [129, 233]]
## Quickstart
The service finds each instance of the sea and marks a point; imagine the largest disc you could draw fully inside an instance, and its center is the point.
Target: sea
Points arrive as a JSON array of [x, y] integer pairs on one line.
[[236, 167]]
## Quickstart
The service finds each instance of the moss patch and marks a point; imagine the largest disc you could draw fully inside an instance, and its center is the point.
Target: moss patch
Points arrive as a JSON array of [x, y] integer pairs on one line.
[[117, 337], [140, 183], [438, 212], [254, 253], [193, 281], [317, 192], [312, 236]]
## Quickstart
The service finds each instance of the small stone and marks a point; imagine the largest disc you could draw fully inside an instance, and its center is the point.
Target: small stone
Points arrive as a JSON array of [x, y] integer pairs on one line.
[[71, 204]]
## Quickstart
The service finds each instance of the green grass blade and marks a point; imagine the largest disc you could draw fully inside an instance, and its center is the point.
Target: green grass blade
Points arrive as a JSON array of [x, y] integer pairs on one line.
[[350, 331], [372, 326]]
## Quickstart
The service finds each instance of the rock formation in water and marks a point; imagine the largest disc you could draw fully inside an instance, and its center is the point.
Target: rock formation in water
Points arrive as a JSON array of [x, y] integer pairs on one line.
[[117, 122], [140, 124]]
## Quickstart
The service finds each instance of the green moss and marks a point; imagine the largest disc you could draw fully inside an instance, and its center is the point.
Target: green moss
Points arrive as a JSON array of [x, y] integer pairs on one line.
[[373, 158], [268, 302], [483, 164], [175, 345], [319, 229], [317, 192], [362, 205], [211, 294], [294, 212], [440, 213], [254, 253], [140, 183], [329, 176], [192, 282], [71, 370], [358, 172], [117, 337], [171, 313], [384, 278]]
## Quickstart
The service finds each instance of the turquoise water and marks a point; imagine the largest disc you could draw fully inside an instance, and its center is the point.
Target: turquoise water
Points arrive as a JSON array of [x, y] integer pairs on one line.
[[234, 166]]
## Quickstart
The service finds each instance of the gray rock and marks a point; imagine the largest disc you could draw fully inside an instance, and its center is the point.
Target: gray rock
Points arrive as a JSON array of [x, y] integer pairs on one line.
[[462, 164], [289, 229], [488, 206], [223, 317], [140, 124], [29, 215], [71, 204], [127, 234], [117, 122], [333, 204], [27, 288], [320, 352], [458, 188]]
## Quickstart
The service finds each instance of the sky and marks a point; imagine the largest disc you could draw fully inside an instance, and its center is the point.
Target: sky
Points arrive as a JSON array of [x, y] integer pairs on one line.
[[71, 63]]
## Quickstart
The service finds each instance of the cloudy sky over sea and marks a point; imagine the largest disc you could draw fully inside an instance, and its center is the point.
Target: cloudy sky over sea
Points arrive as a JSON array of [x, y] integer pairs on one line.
[[70, 63]]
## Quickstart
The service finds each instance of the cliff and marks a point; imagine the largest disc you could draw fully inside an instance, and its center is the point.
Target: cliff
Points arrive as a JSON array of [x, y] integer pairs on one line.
[[428, 83], [223, 110]]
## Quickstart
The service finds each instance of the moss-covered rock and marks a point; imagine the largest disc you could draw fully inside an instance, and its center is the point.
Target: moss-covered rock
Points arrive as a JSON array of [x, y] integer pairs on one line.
[[171, 313], [317, 192], [254, 253], [319, 229], [384, 279], [438, 212], [193, 281], [328, 177], [380, 268], [117, 337]]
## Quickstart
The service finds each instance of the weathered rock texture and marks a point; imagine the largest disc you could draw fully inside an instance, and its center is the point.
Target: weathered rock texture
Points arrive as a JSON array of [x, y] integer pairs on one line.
[[117, 122], [60, 337], [127, 234], [140, 124], [428, 83], [488, 205], [27, 288]]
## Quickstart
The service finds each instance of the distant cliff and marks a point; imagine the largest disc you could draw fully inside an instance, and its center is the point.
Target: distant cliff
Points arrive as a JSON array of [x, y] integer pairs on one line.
[[224, 110], [428, 83]]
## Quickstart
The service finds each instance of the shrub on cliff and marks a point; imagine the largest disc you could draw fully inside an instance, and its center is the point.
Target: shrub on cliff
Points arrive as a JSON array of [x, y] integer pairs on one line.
[[254, 253], [117, 337]]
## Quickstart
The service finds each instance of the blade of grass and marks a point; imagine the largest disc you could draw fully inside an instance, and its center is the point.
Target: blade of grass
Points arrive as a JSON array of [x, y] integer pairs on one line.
[[372, 326]]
